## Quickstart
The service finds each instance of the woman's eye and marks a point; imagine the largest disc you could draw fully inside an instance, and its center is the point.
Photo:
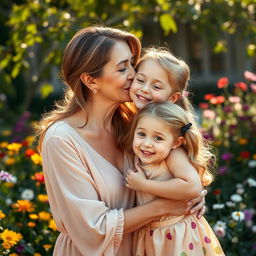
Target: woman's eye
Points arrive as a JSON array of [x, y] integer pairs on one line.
[[141, 134], [122, 69]]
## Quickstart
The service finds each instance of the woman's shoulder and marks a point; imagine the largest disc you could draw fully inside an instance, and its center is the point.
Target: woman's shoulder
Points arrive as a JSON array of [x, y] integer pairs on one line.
[[59, 130]]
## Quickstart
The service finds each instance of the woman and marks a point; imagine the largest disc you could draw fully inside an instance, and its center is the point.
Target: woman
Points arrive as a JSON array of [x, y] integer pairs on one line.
[[81, 144]]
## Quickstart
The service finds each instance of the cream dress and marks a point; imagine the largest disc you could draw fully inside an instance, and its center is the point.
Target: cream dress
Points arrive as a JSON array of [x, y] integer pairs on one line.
[[87, 196], [173, 235]]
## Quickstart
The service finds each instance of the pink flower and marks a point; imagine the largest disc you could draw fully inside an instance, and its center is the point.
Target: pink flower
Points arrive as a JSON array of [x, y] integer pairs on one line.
[[253, 87], [234, 99], [241, 85], [209, 114], [223, 82], [203, 105], [250, 76], [217, 100]]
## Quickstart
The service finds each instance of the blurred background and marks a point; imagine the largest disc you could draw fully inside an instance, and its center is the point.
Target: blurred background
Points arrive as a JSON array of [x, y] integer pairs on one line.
[[217, 38]]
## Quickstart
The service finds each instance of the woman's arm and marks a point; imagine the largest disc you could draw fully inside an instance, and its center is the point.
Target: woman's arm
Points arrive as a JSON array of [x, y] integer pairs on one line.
[[139, 216], [185, 185]]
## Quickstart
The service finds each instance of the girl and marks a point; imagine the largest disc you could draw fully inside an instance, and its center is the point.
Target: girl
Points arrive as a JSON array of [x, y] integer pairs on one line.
[[160, 76], [162, 134]]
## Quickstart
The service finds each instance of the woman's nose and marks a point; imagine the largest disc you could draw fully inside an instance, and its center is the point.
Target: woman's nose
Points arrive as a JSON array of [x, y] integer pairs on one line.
[[131, 73]]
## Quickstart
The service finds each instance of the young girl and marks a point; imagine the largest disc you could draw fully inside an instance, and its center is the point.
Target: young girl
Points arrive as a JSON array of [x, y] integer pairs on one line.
[[163, 133], [160, 76]]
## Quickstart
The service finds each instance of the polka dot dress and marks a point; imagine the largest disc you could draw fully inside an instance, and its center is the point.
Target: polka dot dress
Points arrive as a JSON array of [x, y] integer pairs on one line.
[[174, 235]]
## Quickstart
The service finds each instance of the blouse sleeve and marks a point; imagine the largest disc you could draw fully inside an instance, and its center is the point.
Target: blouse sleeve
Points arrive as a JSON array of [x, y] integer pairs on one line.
[[91, 225]]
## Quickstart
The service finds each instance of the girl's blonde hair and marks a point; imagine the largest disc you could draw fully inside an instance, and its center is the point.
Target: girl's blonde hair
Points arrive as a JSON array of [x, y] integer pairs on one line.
[[196, 147], [176, 69], [87, 52]]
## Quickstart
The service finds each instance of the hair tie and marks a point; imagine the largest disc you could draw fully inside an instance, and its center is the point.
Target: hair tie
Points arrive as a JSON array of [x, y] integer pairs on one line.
[[185, 128]]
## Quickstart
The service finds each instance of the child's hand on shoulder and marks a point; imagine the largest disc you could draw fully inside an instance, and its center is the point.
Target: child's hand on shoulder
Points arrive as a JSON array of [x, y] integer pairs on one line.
[[135, 179]]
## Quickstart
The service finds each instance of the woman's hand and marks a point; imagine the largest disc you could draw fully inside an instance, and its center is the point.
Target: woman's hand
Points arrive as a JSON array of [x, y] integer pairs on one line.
[[197, 205]]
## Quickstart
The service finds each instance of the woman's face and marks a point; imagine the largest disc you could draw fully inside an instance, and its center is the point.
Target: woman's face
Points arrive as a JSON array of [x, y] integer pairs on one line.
[[118, 73], [150, 84]]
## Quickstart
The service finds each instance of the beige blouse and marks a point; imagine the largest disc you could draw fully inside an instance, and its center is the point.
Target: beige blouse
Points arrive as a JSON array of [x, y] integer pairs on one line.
[[87, 196]]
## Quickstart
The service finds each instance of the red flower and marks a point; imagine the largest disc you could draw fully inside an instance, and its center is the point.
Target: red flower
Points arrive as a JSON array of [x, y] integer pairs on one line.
[[241, 85], [223, 82], [209, 96], [29, 152], [217, 191], [39, 177], [217, 100], [24, 143], [245, 154], [203, 105]]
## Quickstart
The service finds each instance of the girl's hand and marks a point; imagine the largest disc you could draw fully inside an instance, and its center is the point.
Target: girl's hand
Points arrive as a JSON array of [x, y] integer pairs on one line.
[[135, 179], [197, 205]]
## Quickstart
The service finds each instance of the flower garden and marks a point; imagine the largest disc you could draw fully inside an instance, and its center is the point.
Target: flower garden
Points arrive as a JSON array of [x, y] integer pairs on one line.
[[228, 122]]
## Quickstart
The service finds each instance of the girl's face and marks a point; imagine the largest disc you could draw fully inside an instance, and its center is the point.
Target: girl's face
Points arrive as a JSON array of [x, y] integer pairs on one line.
[[118, 73], [150, 84], [153, 140]]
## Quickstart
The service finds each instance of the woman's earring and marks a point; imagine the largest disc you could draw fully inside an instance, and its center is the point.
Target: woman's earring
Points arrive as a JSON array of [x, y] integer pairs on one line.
[[94, 90]]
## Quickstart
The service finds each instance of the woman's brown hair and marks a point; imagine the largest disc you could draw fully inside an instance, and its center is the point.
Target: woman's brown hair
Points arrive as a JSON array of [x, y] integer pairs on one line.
[[87, 52]]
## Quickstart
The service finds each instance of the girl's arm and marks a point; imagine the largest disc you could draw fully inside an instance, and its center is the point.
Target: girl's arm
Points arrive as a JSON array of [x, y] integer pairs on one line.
[[185, 185]]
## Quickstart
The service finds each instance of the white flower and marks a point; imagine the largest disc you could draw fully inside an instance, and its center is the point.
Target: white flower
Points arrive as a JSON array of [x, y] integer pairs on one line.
[[14, 179], [235, 239], [249, 223], [27, 194], [219, 231], [240, 191], [218, 206], [251, 182], [252, 163], [230, 204], [239, 185], [8, 201], [236, 198], [254, 228], [238, 216]]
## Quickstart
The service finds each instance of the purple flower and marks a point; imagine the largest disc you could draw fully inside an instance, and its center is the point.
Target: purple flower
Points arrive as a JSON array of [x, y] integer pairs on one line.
[[227, 109], [248, 214], [20, 248], [226, 156], [246, 107], [222, 170], [5, 176]]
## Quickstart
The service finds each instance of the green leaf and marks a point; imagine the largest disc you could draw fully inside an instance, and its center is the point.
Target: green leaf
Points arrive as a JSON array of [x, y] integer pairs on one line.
[[16, 70], [46, 90], [167, 23]]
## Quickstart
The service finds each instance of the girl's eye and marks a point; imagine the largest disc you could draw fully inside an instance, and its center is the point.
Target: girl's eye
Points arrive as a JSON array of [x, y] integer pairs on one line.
[[140, 80], [141, 134], [155, 86], [158, 138]]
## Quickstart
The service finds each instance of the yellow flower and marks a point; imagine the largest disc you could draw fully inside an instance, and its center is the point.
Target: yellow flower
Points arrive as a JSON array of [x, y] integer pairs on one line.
[[10, 238], [23, 206], [3, 144], [36, 158], [14, 147], [6, 132], [52, 224], [9, 161], [47, 246], [33, 216], [254, 156], [242, 141], [37, 254], [44, 215], [30, 140], [217, 143], [2, 215], [31, 224], [14, 254], [42, 198]]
